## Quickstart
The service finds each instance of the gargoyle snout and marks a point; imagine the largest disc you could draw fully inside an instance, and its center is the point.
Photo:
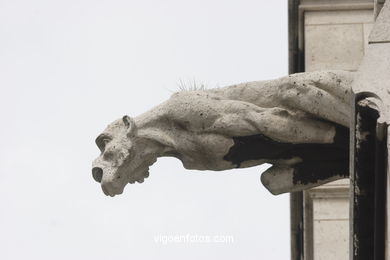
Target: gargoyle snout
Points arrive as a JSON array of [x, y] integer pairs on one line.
[[97, 174]]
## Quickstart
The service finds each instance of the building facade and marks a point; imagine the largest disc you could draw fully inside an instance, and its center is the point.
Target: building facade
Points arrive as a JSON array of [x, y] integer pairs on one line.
[[325, 35]]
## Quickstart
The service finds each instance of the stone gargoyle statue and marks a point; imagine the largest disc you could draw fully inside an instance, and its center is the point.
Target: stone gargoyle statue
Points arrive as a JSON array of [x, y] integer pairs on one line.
[[298, 123]]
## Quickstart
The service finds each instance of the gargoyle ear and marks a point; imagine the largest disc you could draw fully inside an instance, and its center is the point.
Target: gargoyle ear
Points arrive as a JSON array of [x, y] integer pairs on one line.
[[130, 124]]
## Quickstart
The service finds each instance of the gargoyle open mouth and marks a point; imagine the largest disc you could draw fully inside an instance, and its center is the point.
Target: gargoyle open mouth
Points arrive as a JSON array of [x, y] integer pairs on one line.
[[113, 181]]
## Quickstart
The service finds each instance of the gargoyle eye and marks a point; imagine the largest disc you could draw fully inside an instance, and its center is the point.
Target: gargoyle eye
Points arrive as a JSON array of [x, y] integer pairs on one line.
[[102, 141]]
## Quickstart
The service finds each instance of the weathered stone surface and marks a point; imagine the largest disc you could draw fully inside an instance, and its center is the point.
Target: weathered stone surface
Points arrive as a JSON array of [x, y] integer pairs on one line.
[[374, 76], [331, 239], [330, 209], [338, 46], [336, 3], [338, 17], [299, 123], [381, 31]]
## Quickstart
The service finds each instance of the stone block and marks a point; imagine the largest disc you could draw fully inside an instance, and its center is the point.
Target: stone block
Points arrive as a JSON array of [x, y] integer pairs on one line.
[[339, 17], [330, 208], [334, 2], [331, 240], [338, 46]]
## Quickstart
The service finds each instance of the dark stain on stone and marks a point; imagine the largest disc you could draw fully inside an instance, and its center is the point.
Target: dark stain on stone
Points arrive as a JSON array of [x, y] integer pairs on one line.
[[368, 239], [319, 161]]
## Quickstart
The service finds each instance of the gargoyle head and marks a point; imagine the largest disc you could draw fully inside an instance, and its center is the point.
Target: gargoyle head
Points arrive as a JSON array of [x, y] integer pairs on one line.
[[119, 162]]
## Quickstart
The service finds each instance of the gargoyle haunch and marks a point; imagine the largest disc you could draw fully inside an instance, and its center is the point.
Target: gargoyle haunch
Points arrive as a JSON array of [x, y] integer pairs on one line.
[[298, 123]]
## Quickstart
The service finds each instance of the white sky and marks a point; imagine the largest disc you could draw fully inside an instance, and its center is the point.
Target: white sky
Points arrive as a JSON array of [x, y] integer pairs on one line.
[[68, 68]]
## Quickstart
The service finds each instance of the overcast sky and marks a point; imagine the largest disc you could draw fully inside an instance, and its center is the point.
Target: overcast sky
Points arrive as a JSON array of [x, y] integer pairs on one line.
[[69, 68]]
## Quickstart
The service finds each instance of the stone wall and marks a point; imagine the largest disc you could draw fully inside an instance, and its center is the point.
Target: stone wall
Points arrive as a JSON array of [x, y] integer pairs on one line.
[[336, 39]]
